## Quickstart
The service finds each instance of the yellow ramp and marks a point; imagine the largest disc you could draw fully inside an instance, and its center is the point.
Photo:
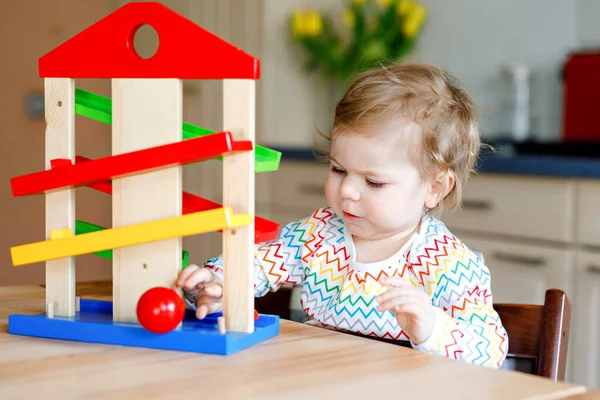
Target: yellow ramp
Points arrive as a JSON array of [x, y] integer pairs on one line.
[[63, 244]]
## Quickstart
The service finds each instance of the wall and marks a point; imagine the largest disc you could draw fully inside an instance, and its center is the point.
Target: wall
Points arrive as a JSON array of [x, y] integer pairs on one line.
[[589, 29], [472, 39], [27, 32], [475, 39], [293, 104]]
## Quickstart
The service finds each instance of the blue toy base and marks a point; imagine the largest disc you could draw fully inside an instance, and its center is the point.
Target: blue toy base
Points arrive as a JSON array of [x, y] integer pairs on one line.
[[94, 324]]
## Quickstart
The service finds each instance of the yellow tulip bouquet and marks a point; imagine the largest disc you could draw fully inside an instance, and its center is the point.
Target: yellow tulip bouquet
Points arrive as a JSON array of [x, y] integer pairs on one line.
[[376, 31]]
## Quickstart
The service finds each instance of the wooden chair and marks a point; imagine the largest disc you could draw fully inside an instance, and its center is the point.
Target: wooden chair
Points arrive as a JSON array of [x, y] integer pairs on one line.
[[538, 336]]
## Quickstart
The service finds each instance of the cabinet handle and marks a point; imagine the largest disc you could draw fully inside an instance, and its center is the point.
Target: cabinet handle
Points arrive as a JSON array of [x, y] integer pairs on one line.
[[519, 259], [594, 269], [309, 188], [474, 204]]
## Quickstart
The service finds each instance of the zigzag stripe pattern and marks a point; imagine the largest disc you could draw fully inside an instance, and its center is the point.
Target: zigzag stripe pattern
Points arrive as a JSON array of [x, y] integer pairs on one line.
[[339, 294], [459, 284]]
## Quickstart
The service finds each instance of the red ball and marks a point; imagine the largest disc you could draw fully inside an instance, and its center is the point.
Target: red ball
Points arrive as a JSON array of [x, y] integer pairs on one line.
[[160, 310]]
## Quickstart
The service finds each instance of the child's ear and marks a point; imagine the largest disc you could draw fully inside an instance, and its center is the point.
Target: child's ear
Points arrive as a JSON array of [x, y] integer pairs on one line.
[[439, 187]]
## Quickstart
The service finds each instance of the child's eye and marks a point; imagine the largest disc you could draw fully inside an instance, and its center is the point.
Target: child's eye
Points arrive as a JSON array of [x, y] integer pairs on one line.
[[337, 170], [374, 184]]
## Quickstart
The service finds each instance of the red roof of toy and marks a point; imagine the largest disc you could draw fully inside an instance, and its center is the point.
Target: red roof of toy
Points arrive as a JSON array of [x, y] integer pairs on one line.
[[185, 51]]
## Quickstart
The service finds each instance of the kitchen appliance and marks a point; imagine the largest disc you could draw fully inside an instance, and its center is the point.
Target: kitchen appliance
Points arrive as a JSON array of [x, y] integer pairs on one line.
[[581, 97]]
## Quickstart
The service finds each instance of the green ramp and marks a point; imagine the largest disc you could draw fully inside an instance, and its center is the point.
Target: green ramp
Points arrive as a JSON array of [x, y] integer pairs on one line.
[[82, 227], [99, 108]]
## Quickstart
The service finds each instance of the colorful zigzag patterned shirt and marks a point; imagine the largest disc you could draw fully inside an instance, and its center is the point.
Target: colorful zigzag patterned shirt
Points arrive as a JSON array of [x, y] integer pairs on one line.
[[339, 293]]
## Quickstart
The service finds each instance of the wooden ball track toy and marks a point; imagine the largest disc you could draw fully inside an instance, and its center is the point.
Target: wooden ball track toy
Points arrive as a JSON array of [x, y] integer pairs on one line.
[[143, 174]]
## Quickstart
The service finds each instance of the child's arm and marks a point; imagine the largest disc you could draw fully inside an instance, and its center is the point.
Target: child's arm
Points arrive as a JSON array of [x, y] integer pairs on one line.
[[279, 261], [466, 325], [275, 263]]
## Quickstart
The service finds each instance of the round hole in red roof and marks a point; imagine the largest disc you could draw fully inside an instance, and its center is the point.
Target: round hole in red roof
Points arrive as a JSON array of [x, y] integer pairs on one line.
[[145, 41]]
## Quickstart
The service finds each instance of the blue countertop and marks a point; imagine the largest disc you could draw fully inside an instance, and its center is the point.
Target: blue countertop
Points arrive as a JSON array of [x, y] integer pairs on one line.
[[541, 165], [554, 166]]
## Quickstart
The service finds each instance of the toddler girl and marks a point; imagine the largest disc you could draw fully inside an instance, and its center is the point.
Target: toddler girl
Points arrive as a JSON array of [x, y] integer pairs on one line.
[[377, 260]]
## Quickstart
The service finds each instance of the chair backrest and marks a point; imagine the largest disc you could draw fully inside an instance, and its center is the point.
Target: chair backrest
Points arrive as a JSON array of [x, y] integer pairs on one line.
[[538, 336]]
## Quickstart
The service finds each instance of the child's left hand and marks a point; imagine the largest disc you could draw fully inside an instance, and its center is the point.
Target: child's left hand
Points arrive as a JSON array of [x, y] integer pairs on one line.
[[411, 305]]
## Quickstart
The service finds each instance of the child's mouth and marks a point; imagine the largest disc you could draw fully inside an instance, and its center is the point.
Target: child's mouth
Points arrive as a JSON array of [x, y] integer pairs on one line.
[[350, 216]]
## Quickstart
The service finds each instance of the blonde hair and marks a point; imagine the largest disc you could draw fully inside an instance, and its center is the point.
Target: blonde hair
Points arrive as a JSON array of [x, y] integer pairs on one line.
[[428, 96]]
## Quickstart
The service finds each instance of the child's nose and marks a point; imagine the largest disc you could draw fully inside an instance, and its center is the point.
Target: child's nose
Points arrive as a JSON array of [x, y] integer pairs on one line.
[[349, 190]]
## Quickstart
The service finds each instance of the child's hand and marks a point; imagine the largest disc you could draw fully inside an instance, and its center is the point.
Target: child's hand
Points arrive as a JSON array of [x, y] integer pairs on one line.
[[411, 305], [203, 288]]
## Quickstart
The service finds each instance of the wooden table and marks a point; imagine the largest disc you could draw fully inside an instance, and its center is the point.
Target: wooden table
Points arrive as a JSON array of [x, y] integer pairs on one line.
[[301, 361], [593, 395]]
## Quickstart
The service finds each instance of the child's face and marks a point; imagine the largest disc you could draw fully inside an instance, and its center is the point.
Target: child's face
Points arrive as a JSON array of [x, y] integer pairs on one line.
[[374, 189]]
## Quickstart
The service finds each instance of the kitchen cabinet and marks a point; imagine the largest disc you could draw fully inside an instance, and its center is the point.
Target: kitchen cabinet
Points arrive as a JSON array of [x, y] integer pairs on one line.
[[587, 228], [521, 273], [584, 354], [517, 206]]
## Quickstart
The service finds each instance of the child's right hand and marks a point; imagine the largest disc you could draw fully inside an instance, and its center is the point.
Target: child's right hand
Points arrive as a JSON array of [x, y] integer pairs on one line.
[[203, 288]]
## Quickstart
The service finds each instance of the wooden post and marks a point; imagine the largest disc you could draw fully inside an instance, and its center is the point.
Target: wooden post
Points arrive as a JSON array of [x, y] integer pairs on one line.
[[146, 113], [238, 193], [59, 103]]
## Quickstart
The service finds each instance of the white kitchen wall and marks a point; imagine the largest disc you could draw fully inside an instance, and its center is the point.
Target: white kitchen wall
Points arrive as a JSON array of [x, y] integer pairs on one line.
[[589, 28], [293, 104], [473, 39]]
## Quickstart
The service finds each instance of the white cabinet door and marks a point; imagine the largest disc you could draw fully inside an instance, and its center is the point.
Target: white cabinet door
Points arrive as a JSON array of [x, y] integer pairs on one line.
[[587, 228], [519, 206], [584, 353], [521, 273]]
